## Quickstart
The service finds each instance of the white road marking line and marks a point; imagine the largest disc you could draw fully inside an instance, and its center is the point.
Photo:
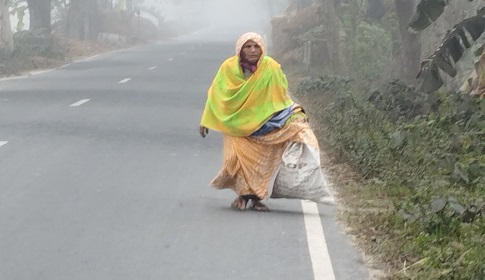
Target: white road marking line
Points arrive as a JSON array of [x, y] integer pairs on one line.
[[321, 262], [152, 68], [170, 59], [3, 143], [79, 103], [124, 81]]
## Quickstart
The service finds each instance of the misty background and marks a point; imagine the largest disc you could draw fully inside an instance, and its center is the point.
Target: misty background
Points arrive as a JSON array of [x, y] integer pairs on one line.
[[212, 19], [369, 41]]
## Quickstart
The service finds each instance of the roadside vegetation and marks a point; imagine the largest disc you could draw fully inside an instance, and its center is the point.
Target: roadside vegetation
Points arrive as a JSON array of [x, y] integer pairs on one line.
[[62, 31], [406, 156]]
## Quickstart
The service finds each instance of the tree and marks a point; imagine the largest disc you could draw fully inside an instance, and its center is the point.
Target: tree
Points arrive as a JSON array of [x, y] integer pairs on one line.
[[6, 39], [40, 14], [59, 14], [83, 21], [411, 42], [328, 15]]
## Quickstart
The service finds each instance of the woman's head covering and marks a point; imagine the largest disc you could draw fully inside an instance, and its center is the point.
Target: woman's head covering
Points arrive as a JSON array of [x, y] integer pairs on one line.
[[258, 39]]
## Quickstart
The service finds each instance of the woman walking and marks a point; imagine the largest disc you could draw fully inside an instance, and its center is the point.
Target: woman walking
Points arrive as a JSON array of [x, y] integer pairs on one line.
[[249, 104]]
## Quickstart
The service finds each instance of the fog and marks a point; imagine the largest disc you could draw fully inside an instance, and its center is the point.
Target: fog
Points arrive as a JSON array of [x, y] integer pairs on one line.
[[220, 19]]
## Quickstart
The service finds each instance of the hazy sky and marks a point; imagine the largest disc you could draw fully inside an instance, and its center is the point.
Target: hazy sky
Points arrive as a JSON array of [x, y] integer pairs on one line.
[[221, 19]]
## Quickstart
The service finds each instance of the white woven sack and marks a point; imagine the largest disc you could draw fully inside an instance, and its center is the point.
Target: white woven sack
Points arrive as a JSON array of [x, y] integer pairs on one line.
[[300, 176]]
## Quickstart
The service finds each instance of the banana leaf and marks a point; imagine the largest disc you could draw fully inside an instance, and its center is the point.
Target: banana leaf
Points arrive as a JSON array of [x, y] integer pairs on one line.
[[455, 43], [427, 12]]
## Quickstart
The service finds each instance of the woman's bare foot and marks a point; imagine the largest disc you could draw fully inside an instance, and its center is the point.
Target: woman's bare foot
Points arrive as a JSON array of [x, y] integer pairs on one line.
[[258, 206], [239, 203]]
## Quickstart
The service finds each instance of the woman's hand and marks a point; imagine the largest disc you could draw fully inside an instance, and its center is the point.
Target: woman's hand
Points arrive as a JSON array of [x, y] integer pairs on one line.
[[203, 131]]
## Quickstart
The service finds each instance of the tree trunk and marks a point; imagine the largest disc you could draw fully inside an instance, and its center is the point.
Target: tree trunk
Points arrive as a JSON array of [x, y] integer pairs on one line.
[[328, 16], [411, 42], [83, 22], [6, 39], [40, 14]]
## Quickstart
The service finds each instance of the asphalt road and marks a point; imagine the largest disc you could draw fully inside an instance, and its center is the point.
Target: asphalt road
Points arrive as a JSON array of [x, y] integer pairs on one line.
[[103, 176]]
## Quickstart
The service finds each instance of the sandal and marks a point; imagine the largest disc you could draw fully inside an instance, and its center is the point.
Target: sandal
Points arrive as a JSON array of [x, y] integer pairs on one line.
[[256, 205], [239, 203]]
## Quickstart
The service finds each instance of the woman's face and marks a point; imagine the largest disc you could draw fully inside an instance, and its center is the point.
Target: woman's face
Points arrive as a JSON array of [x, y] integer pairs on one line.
[[251, 51]]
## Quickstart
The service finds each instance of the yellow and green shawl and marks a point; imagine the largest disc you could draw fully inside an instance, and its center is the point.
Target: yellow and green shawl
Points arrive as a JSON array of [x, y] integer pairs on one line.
[[239, 107]]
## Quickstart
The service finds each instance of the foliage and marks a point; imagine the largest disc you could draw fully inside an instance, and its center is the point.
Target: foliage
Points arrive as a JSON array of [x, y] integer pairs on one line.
[[367, 46], [327, 84], [425, 155], [369, 55], [33, 50], [453, 46], [35, 43], [400, 101], [450, 51], [4, 54], [427, 12], [59, 14]]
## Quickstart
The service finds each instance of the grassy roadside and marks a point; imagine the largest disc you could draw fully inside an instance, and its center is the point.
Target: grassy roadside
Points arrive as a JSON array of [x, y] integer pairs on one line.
[[32, 54], [409, 171]]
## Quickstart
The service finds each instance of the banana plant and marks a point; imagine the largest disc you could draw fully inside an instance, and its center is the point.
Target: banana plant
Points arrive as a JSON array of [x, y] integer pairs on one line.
[[427, 12], [455, 43]]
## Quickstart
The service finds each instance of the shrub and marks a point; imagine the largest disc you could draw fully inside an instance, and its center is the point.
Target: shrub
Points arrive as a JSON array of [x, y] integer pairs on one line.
[[36, 43], [427, 153]]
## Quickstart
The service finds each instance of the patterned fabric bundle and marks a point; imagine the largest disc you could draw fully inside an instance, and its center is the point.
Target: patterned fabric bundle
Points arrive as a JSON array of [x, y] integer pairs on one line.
[[250, 163]]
